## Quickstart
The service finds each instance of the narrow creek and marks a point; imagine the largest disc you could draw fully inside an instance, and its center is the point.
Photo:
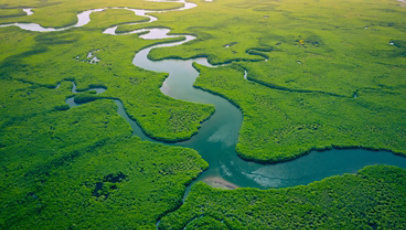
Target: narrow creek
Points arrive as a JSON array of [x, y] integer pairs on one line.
[[217, 138]]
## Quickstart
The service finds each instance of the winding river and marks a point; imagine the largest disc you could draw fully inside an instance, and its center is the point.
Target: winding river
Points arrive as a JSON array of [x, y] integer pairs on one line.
[[217, 138]]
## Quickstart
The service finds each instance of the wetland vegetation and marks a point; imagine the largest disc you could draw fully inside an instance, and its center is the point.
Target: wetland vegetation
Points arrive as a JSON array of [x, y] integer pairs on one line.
[[305, 75], [319, 55], [370, 199]]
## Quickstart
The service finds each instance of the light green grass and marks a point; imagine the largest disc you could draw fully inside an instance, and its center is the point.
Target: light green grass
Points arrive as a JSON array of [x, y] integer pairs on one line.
[[55, 13], [345, 43], [10, 13], [105, 19]]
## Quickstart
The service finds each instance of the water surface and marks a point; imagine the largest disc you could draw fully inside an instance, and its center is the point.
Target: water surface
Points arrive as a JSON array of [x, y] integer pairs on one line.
[[217, 138]]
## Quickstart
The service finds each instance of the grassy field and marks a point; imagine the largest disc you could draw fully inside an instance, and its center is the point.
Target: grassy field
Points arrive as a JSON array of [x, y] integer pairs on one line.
[[9, 13], [102, 20], [370, 199]]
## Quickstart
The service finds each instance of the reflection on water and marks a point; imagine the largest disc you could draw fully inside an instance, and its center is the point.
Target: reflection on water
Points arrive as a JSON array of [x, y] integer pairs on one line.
[[83, 18], [217, 138]]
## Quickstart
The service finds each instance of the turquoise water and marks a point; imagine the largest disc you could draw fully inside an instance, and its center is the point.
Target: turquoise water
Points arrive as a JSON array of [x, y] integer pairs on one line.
[[217, 138]]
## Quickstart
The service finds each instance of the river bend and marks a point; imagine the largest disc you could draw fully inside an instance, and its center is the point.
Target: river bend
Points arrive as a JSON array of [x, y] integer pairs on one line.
[[217, 138]]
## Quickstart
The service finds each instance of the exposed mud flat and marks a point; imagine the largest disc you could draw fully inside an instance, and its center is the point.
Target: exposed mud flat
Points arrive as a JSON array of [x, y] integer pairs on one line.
[[218, 182]]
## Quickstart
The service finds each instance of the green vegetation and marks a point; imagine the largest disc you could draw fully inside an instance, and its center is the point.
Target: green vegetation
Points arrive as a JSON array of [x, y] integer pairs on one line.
[[6, 13], [281, 124], [84, 98], [67, 52], [80, 168], [320, 55], [352, 45], [334, 78], [59, 166], [103, 20], [370, 199], [56, 13]]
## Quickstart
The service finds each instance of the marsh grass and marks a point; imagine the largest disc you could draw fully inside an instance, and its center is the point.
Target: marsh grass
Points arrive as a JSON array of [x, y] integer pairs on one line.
[[318, 54], [79, 167], [350, 201], [280, 124], [57, 165]]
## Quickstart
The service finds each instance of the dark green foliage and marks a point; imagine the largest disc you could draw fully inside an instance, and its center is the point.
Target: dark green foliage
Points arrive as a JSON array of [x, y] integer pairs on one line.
[[281, 124], [319, 53], [54, 59], [206, 222], [62, 107], [371, 199], [401, 48], [115, 177], [108, 185], [84, 98], [64, 168], [80, 168]]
